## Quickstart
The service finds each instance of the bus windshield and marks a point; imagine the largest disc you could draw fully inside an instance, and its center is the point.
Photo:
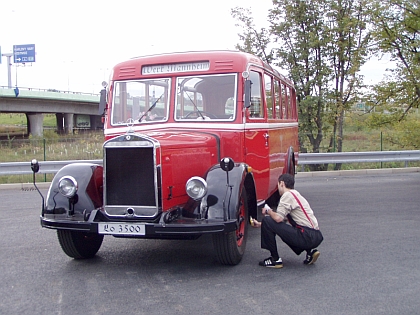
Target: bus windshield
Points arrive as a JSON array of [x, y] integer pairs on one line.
[[206, 97], [200, 97], [142, 100]]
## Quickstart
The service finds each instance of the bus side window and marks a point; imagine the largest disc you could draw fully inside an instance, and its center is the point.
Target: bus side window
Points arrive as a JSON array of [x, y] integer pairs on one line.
[[277, 107], [256, 109], [119, 114], [289, 103], [268, 95], [294, 105], [284, 102]]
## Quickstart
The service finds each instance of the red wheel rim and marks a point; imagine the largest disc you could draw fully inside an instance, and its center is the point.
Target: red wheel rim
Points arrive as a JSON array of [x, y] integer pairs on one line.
[[240, 231]]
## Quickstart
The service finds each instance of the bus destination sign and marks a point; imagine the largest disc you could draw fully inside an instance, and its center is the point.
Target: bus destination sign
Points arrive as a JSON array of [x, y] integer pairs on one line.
[[176, 67]]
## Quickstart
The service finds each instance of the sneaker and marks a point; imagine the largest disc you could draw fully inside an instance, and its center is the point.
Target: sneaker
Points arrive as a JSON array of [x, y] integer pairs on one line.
[[269, 262], [311, 257]]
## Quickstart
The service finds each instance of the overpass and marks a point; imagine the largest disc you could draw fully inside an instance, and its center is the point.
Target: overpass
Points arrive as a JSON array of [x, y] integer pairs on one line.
[[72, 109]]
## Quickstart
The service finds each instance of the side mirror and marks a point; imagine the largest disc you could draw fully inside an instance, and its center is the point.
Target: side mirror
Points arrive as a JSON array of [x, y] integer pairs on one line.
[[35, 169], [35, 166], [102, 102], [247, 98], [227, 164]]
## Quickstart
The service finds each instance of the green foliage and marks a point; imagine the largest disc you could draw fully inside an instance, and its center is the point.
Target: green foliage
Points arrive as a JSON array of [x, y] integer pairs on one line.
[[403, 133], [322, 44], [397, 33], [360, 134], [253, 41], [407, 133]]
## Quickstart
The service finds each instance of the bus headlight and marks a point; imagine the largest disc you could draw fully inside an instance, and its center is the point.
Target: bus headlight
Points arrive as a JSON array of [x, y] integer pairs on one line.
[[67, 186], [196, 187]]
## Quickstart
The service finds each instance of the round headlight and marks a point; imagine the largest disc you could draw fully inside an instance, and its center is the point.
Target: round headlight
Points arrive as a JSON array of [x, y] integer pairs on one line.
[[196, 187], [67, 186]]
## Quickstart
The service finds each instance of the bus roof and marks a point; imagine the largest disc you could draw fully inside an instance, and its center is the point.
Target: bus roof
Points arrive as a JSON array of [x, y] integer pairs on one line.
[[221, 61]]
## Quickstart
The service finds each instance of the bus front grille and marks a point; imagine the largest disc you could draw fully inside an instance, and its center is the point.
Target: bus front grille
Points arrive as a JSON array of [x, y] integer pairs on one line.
[[129, 180]]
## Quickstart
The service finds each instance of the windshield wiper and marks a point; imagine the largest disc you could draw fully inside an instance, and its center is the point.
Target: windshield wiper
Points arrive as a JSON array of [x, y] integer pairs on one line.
[[150, 108], [195, 106]]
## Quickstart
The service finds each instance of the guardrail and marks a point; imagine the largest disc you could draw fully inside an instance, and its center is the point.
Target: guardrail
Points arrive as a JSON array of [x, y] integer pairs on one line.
[[45, 167], [359, 157], [51, 167]]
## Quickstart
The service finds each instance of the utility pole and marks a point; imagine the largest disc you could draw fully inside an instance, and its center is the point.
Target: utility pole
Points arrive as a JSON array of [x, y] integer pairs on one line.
[[9, 69]]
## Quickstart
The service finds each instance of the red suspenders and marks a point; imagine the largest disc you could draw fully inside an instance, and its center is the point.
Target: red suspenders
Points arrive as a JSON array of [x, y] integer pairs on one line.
[[303, 209]]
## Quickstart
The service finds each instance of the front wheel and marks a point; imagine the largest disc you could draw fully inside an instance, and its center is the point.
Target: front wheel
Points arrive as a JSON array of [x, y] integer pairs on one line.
[[79, 245], [230, 246]]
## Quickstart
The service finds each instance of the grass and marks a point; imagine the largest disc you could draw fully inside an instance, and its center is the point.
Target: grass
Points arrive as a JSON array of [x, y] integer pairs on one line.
[[82, 146], [15, 147], [12, 125]]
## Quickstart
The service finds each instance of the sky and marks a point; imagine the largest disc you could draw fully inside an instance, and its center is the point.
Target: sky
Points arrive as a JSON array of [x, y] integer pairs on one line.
[[78, 42]]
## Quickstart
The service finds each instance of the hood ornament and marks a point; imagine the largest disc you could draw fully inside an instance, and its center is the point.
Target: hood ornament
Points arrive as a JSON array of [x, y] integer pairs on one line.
[[130, 124]]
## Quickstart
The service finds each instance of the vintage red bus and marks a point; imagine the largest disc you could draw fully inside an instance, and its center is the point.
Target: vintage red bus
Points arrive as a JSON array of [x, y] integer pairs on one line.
[[194, 144]]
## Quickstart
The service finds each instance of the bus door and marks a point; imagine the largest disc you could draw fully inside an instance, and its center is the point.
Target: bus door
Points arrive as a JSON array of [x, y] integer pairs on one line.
[[256, 137], [276, 137]]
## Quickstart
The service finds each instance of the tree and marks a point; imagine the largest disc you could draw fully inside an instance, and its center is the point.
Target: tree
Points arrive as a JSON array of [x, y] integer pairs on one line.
[[301, 50], [254, 42], [347, 50], [397, 33], [322, 44]]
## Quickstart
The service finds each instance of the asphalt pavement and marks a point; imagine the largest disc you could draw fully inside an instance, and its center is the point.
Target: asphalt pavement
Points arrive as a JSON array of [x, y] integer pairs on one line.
[[368, 264]]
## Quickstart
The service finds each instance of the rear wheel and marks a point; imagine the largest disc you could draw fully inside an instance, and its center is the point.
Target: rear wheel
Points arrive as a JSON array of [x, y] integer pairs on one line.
[[79, 245], [230, 246]]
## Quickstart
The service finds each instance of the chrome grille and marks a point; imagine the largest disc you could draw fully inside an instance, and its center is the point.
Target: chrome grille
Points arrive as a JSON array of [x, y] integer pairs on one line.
[[131, 178]]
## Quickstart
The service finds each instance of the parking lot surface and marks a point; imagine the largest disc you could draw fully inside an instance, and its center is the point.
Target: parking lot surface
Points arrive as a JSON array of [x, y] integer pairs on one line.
[[369, 261]]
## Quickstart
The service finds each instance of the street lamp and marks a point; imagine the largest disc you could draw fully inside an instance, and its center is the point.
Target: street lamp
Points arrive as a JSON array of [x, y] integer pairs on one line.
[[69, 66]]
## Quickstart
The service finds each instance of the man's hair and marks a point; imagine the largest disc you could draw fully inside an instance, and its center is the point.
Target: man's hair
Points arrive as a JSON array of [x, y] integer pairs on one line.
[[289, 180]]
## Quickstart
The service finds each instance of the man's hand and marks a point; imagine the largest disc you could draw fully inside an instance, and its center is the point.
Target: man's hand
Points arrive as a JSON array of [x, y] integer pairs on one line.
[[254, 223], [265, 209]]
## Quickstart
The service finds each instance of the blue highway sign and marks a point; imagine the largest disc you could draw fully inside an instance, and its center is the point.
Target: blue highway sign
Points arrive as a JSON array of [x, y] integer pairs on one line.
[[23, 53]]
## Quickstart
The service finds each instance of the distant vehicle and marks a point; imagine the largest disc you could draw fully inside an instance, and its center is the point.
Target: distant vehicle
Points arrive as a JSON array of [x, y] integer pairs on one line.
[[194, 144]]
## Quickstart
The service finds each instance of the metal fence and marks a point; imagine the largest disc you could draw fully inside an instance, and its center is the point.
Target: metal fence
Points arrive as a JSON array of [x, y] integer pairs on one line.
[[359, 157], [51, 167]]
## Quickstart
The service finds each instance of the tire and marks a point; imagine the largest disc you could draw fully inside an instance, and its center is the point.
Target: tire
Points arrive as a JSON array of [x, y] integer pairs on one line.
[[79, 245], [230, 246]]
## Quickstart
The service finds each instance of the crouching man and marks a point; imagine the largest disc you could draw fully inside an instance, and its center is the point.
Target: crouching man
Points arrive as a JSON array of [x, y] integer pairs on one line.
[[301, 233]]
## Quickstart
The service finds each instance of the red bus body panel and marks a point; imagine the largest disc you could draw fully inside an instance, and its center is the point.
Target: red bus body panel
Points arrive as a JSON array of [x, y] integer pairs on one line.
[[260, 143]]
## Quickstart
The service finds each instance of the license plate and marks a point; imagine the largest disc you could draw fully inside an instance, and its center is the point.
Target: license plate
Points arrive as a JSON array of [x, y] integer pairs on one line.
[[122, 228]]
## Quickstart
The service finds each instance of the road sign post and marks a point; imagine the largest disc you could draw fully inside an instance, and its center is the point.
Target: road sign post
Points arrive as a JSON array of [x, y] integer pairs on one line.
[[9, 70]]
